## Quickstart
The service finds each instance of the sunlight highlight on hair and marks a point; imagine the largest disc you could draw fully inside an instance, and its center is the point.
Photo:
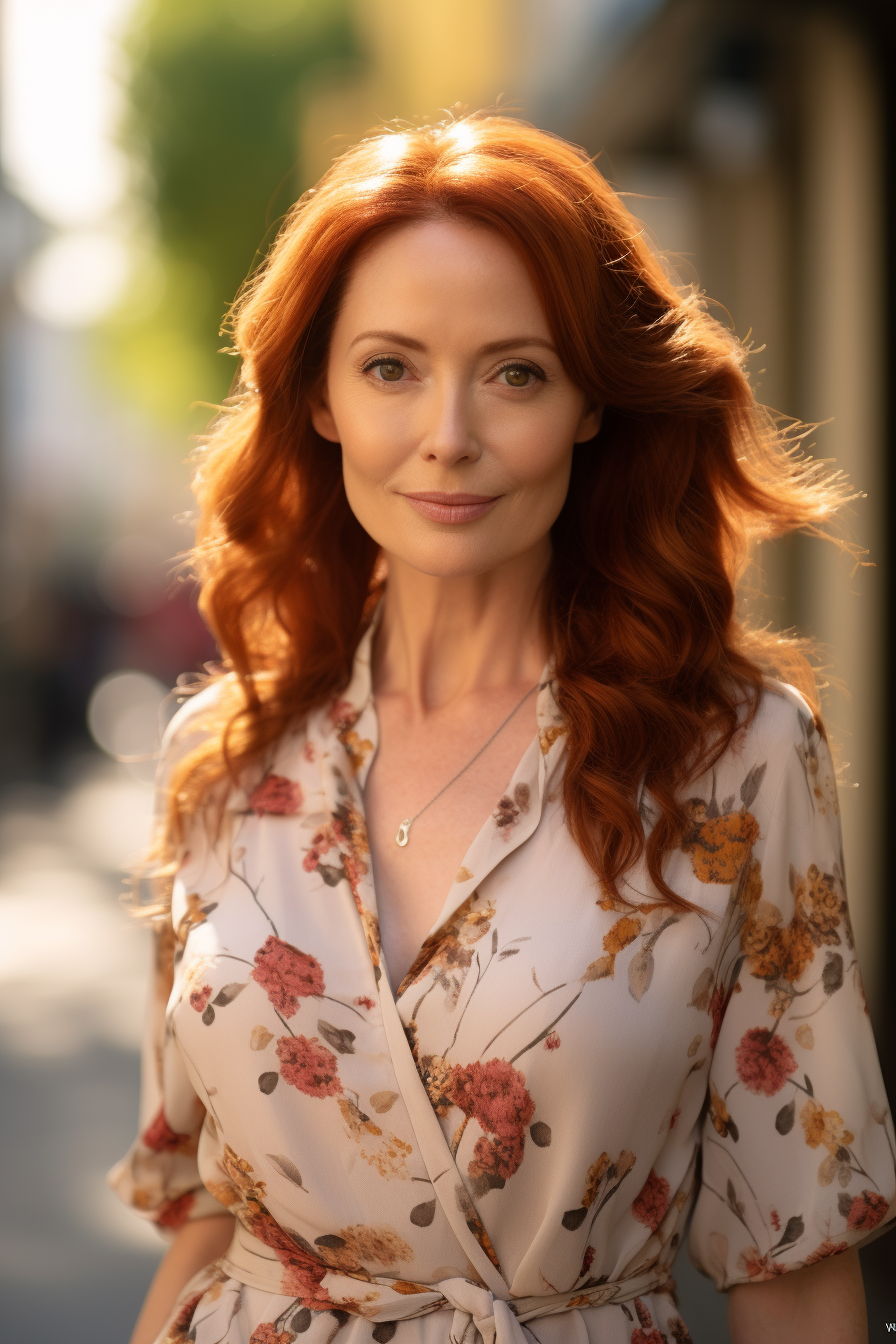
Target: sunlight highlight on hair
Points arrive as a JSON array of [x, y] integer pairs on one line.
[[655, 668]]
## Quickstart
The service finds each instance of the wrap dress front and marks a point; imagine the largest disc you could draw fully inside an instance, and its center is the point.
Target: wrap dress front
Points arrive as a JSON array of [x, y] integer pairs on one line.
[[509, 1144]]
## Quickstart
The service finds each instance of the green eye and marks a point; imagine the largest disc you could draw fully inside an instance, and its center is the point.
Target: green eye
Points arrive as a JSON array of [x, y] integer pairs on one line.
[[390, 370]]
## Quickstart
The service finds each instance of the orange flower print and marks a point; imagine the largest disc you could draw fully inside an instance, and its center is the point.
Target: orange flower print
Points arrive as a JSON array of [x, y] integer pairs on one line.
[[679, 1332], [276, 794], [623, 932], [826, 1248], [343, 716], [719, 846], [653, 1201], [718, 1113], [776, 951], [819, 901], [824, 1127], [750, 887], [436, 1074], [286, 974], [764, 1062], [548, 736], [647, 1334], [308, 1066], [758, 1267]]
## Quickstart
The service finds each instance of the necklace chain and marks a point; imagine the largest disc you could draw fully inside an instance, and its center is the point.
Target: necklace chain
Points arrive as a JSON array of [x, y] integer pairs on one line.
[[404, 829]]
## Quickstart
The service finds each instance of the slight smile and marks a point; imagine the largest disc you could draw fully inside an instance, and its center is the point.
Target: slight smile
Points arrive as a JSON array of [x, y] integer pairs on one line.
[[445, 508]]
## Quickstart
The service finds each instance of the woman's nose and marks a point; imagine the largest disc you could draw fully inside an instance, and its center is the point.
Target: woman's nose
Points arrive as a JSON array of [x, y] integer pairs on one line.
[[449, 436]]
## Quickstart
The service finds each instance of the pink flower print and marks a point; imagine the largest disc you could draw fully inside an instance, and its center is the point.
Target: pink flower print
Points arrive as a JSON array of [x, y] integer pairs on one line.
[[495, 1093], [200, 997], [763, 1061], [717, 1006], [651, 1204], [364, 1002], [866, 1211], [277, 795], [826, 1248], [182, 1321], [342, 715], [161, 1138], [552, 1041], [267, 1333], [175, 1212], [499, 1157], [308, 1066], [286, 974]]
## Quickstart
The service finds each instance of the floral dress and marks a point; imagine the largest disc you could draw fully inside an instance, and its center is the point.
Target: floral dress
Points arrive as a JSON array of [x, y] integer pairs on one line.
[[508, 1144]]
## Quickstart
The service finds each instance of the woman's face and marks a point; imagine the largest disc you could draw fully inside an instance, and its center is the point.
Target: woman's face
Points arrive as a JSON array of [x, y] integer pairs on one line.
[[456, 418]]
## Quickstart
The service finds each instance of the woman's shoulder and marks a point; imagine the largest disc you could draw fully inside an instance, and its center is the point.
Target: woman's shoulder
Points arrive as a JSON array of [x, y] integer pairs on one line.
[[783, 717], [782, 732]]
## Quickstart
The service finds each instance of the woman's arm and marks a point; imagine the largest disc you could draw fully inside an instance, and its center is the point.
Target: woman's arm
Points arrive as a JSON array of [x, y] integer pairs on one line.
[[195, 1246], [822, 1304]]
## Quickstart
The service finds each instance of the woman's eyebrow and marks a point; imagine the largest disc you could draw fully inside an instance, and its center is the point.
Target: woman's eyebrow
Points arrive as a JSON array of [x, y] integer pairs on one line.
[[491, 348]]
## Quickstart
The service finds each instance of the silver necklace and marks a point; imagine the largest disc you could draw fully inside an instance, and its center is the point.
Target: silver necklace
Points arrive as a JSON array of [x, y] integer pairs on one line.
[[404, 829]]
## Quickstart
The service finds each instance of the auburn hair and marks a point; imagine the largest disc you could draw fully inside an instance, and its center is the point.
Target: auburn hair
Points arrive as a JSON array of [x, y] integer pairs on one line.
[[655, 666]]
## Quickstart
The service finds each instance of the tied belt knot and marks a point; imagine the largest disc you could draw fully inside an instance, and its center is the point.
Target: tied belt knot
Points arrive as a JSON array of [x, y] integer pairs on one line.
[[480, 1317], [478, 1310]]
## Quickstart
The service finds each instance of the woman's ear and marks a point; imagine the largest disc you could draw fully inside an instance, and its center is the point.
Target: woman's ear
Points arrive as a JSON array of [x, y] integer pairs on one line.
[[322, 417], [589, 425]]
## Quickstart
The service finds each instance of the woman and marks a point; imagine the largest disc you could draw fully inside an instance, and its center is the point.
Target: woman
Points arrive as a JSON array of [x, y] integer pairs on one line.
[[476, 516]]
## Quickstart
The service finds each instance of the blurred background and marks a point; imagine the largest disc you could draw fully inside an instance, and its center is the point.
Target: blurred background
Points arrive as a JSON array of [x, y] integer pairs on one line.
[[149, 149]]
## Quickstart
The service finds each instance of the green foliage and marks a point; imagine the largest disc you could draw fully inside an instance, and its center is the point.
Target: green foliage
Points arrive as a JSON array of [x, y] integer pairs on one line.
[[215, 98]]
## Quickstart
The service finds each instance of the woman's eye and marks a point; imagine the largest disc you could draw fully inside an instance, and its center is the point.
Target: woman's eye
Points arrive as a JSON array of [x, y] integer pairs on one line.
[[517, 375], [390, 370]]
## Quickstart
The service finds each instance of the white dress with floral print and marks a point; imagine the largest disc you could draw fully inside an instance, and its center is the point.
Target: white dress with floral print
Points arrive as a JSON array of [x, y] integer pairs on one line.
[[508, 1144]]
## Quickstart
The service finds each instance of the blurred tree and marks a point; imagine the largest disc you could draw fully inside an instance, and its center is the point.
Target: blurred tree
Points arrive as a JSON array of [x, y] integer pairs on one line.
[[215, 105]]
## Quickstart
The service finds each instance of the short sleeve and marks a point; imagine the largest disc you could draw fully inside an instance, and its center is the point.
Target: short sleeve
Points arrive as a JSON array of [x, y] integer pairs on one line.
[[797, 1146], [159, 1175]]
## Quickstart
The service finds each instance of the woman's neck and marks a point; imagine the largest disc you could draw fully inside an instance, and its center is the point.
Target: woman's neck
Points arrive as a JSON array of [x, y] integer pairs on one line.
[[439, 639]]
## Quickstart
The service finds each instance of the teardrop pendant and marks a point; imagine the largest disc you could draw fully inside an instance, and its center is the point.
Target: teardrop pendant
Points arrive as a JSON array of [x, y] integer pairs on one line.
[[403, 832]]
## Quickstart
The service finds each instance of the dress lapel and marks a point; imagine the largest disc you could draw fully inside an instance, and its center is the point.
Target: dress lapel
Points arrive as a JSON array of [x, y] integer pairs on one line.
[[350, 738]]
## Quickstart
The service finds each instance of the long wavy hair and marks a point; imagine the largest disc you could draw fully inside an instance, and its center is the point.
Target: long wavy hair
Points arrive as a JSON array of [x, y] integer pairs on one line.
[[656, 667]]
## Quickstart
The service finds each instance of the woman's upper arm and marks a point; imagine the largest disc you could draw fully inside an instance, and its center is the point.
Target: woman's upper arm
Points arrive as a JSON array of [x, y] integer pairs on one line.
[[822, 1304], [797, 1145]]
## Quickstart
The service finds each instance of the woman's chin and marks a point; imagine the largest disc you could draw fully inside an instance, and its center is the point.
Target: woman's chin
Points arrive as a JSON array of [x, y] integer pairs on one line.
[[447, 559]]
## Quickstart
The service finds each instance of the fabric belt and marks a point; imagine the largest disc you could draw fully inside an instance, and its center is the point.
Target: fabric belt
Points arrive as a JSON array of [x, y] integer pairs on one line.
[[478, 1313]]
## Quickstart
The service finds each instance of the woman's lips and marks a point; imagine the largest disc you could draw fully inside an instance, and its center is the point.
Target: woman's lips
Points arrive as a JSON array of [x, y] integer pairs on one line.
[[445, 508]]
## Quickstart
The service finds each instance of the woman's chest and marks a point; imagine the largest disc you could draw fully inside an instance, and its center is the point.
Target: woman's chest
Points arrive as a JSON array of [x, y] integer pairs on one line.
[[530, 991], [427, 795]]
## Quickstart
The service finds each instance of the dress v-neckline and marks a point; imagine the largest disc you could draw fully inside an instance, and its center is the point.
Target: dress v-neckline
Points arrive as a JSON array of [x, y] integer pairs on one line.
[[356, 724]]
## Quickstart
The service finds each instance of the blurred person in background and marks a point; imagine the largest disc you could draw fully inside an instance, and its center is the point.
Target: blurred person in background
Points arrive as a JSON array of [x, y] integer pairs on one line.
[[477, 513]]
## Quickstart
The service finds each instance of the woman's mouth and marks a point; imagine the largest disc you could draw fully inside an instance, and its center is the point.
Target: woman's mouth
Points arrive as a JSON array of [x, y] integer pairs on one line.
[[450, 508]]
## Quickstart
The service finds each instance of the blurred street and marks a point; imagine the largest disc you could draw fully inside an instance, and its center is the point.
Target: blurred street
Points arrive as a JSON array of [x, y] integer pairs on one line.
[[74, 1263]]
